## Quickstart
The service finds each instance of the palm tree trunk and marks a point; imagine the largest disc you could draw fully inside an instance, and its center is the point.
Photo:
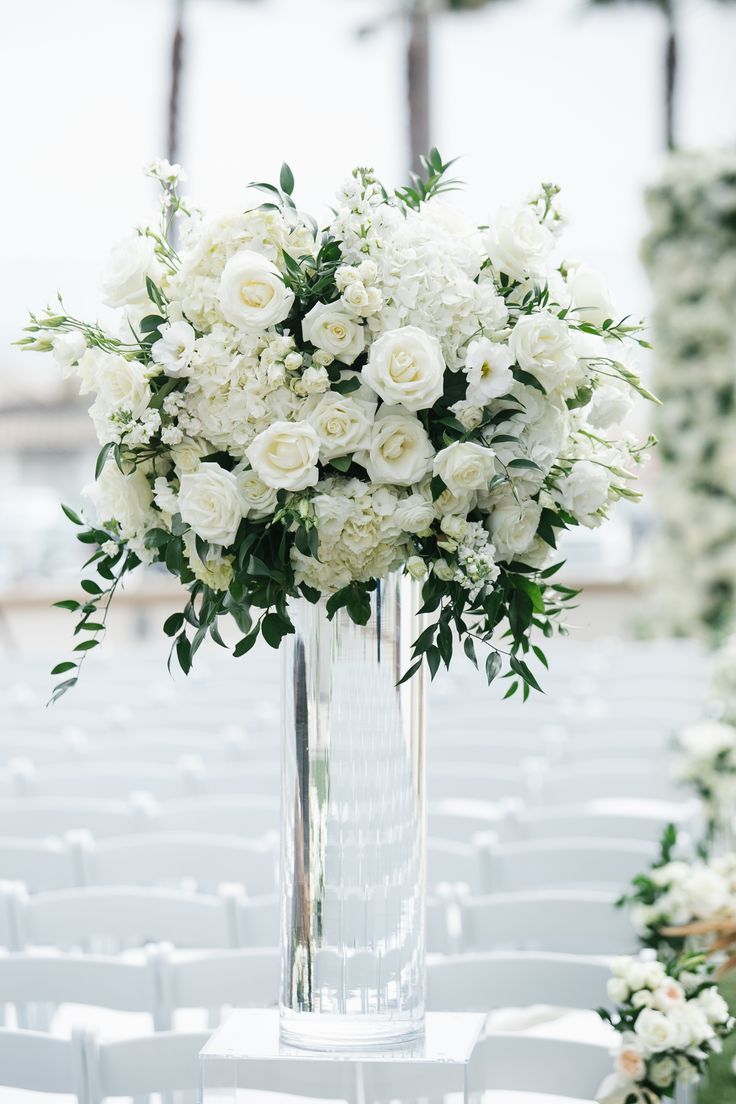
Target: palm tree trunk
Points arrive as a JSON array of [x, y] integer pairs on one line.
[[177, 57], [418, 82], [670, 79]]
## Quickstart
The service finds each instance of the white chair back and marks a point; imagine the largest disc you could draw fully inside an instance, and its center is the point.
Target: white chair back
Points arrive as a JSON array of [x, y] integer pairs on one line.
[[562, 864], [506, 1062], [249, 817], [39, 863], [447, 781]]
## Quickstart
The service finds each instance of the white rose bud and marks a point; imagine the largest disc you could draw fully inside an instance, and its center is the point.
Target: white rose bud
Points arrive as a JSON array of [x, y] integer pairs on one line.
[[617, 989], [173, 351], [406, 368], [68, 348], [329, 327], [257, 499], [591, 297], [465, 466], [252, 292], [285, 455], [443, 570], [209, 501], [416, 567]]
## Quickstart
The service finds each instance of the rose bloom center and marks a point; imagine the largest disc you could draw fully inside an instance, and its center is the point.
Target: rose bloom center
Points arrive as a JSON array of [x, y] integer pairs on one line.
[[288, 455], [339, 331], [396, 446], [256, 294], [403, 367]]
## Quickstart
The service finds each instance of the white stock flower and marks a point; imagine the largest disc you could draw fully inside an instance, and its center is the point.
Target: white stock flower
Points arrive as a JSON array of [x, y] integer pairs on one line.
[[252, 293], [488, 370], [173, 351], [327, 326], [209, 501], [406, 368], [518, 244], [400, 451], [540, 344], [343, 424], [464, 466], [592, 299], [124, 278], [285, 455]]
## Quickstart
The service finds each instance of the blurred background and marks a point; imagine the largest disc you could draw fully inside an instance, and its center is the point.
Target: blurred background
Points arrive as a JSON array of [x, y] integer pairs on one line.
[[586, 94]]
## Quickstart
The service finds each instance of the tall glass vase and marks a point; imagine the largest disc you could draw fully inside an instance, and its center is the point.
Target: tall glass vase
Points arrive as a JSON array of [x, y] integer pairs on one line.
[[353, 827]]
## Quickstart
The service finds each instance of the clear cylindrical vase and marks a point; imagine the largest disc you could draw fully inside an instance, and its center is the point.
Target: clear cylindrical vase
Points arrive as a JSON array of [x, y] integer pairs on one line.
[[353, 827]]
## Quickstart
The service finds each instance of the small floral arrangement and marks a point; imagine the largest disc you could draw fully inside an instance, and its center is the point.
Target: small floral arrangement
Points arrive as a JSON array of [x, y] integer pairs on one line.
[[690, 254], [676, 893], [671, 1020], [706, 760], [285, 411]]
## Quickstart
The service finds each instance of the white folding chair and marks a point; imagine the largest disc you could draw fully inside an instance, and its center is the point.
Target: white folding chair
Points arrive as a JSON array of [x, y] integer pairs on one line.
[[168, 858], [561, 863], [247, 817], [447, 781], [516, 979], [249, 778], [104, 780], [38, 1062], [634, 821], [460, 820], [452, 863], [526, 1063], [244, 978], [40, 817], [566, 784], [567, 921], [39, 863]]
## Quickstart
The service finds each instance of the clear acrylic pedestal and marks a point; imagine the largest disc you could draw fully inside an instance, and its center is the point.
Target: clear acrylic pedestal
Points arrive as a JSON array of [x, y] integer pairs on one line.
[[246, 1055]]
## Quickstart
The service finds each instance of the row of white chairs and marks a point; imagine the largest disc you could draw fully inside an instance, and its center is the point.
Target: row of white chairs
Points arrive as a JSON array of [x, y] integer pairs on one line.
[[205, 861], [534, 782], [584, 920], [92, 1071], [162, 982]]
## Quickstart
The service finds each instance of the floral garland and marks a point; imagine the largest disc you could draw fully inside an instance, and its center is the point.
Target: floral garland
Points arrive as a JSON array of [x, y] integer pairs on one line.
[[287, 412], [706, 760], [690, 254]]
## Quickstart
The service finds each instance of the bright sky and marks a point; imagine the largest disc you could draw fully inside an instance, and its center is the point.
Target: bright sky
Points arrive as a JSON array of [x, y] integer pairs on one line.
[[524, 90]]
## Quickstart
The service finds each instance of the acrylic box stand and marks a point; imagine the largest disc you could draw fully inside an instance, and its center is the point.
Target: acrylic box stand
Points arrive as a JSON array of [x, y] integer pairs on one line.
[[246, 1055]]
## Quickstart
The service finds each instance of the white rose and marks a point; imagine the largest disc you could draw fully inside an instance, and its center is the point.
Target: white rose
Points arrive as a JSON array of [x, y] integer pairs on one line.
[[713, 1005], [331, 328], [67, 349], [662, 1072], [188, 453], [610, 405], [465, 466], [343, 424], [667, 995], [285, 455], [257, 499], [591, 297], [252, 293], [584, 490], [400, 451], [468, 413], [656, 1031], [124, 278], [540, 344], [406, 367], [488, 370], [511, 523], [416, 567], [617, 990], [630, 1063], [313, 381], [173, 351], [209, 501], [414, 514], [518, 244]]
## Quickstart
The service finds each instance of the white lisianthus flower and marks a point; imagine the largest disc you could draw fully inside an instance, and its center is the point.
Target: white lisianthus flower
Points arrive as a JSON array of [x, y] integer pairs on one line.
[[343, 424], [465, 466], [592, 299], [252, 293], [285, 455], [584, 491], [610, 405], [257, 499], [518, 244], [406, 368], [400, 451], [68, 348], [124, 278], [488, 370], [173, 351], [209, 501], [511, 522], [327, 326], [656, 1031], [414, 514], [540, 344]]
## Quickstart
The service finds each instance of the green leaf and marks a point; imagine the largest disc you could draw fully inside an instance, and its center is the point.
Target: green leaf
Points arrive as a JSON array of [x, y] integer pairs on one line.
[[341, 463], [67, 604], [469, 649], [86, 645], [151, 323], [410, 673], [156, 538], [286, 179], [60, 668], [523, 462], [157, 401], [274, 628], [102, 456], [184, 653], [245, 644], [437, 486], [173, 623], [359, 605], [493, 666], [511, 690], [91, 586], [72, 515]]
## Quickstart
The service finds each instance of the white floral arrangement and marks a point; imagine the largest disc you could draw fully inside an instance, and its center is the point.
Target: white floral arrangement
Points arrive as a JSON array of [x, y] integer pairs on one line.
[[671, 1020], [690, 254], [284, 412], [706, 760]]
